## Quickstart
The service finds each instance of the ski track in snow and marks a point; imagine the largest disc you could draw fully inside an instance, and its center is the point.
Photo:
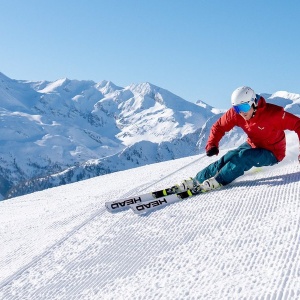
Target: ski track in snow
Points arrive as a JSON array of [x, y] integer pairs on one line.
[[240, 242]]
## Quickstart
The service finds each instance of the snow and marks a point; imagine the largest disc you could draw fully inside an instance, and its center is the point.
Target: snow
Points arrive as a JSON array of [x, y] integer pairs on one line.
[[239, 242]]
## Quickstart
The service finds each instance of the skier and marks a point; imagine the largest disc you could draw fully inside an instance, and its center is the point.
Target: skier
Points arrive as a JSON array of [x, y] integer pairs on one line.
[[264, 123]]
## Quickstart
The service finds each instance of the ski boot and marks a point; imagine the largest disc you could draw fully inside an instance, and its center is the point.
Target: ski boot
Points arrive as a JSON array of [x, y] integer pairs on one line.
[[188, 184], [210, 184]]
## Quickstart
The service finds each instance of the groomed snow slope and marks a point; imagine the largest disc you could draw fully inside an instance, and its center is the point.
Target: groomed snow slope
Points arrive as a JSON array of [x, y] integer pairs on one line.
[[240, 242]]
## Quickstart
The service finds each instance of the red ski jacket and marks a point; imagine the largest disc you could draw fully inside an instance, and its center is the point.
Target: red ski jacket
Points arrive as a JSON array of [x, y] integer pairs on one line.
[[264, 130]]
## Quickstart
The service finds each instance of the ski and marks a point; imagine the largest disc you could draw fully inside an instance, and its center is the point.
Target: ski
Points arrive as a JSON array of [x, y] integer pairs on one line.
[[122, 204], [158, 203]]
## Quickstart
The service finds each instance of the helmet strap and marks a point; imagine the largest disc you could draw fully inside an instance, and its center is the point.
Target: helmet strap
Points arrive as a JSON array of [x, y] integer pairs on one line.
[[254, 110]]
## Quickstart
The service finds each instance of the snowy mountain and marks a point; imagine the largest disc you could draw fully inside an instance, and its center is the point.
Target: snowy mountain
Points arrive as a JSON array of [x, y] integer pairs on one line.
[[238, 242], [59, 132], [67, 126]]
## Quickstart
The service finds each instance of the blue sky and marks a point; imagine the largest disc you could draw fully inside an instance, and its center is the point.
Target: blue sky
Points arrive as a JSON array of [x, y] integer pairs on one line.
[[197, 49]]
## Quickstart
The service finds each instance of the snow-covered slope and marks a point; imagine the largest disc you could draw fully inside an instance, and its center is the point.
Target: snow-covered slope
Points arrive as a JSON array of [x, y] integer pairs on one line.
[[239, 242]]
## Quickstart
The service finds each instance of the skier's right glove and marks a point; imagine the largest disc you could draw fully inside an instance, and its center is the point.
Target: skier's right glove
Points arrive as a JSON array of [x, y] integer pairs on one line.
[[212, 151]]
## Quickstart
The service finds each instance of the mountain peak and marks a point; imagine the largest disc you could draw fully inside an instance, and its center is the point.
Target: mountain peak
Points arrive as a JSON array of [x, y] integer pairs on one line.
[[107, 87], [3, 77], [55, 85], [144, 88]]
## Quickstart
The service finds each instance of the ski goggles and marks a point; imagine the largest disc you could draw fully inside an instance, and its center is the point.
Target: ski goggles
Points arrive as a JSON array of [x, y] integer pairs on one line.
[[243, 107]]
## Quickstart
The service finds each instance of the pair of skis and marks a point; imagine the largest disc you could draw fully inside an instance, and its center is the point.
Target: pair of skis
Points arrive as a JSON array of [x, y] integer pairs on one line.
[[148, 202]]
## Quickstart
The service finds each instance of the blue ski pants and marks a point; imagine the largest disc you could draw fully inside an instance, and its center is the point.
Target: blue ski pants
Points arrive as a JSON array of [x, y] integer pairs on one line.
[[235, 162]]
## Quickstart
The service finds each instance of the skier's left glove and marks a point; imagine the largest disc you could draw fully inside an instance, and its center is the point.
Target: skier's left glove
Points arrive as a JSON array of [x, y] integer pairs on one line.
[[212, 151]]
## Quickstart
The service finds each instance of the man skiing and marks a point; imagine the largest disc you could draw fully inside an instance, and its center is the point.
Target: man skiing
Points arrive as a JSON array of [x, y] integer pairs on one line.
[[264, 124]]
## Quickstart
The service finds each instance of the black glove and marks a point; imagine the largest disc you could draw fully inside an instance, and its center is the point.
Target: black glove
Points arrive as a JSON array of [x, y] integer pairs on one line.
[[212, 151]]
